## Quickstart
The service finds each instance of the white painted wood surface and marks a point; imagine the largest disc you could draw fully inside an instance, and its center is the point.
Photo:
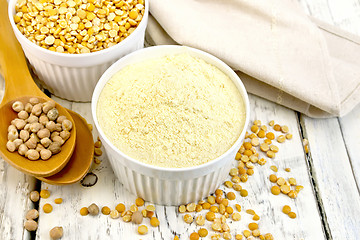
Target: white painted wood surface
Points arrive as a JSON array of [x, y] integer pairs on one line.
[[109, 192], [327, 208]]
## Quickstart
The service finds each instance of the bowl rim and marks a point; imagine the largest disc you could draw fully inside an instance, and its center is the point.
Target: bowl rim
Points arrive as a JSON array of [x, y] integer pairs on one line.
[[11, 13], [233, 76]]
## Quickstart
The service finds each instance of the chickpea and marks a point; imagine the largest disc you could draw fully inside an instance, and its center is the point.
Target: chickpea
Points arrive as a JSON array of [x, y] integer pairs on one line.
[[27, 127], [47, 106], [24, 135], [52, 114], [58, 139], [31, 143], [43, 133], [54, 134], [58, 127], [43, 119], [65, 135], [19, 123], [30, 225], [32, 214], [60, 119], [66, 125], [22, 149], [35, 127], [39, 147], [28, 107], [45, 154], [32, 119], [32, 154], [51, 126], [17, 106], [11, 128], [37, 109], [34, 101], [34, 196], [56, 233], [55, 147], [23, 115], [35, 137], [18, 142], [137, 217], [10, 145], [12, 135], [45, 142], [93, 209]]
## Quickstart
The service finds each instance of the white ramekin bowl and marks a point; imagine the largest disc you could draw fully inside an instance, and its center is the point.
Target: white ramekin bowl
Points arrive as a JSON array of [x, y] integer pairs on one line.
[[74, 76], [168, 186]]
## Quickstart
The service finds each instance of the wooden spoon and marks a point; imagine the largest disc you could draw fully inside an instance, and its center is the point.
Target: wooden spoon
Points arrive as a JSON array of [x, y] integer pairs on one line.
[[19, 86], [81, 159]]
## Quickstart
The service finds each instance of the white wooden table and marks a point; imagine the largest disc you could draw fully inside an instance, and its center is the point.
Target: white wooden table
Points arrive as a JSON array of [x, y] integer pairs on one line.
[[327, 208]]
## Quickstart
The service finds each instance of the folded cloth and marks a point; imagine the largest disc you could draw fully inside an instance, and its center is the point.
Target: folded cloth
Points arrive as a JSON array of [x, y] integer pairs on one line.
[[277, 50]]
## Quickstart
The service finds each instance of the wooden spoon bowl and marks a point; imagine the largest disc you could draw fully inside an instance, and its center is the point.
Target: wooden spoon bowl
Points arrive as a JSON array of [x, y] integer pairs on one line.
[[81, 159], [19, 85]]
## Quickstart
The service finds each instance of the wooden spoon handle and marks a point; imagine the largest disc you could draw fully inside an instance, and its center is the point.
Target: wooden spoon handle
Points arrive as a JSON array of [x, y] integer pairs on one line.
[[18, 80]]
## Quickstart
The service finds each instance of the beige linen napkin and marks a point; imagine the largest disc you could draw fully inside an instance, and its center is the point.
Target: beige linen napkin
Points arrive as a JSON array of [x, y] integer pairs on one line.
[[278, 52]]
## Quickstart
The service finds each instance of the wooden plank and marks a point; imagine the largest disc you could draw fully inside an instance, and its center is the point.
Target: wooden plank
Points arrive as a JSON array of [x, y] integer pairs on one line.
[[333, 176], [14, 202], [342, 13], [350, 130], [109, 191]]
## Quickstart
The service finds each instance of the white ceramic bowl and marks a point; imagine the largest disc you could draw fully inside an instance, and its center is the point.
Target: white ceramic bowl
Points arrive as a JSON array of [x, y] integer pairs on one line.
[[74, 76], [169, 186]]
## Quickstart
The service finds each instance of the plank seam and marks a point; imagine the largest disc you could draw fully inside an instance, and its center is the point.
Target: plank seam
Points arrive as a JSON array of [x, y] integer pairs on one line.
[[349, 157], [313, 181]]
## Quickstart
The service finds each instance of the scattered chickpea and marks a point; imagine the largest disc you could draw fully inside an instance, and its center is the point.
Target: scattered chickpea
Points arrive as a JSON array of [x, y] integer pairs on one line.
[[93, 209], [32, 214], [34, 196], [47, 208], [137, 217], [30, 225], [56, 233], [142, 229]]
